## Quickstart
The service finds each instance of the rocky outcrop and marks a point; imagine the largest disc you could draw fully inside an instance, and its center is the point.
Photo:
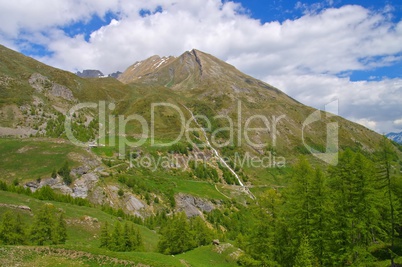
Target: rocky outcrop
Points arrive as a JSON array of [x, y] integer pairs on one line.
[[43, 85], [193, 206], [133, 203], [20, 207], [61, 91], [84, 184], [90, 74]]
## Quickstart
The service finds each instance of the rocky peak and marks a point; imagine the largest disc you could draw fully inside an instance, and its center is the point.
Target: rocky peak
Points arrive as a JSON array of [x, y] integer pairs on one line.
[[90, 74], [189, 70], [143, 68]]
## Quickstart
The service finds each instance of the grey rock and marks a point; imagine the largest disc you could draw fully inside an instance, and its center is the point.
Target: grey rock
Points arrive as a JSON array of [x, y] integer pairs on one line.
[[90, 74], [193, 206], [132, 203], [84, 184]]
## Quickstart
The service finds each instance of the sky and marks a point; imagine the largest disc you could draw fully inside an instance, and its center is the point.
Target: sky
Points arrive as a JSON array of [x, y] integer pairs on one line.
[[315, 51]]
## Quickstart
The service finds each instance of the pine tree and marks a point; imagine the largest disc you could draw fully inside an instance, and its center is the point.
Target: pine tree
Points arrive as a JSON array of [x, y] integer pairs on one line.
[[297, 211], [59, 235], [117, 239], [355, 217], [12, 229], [42, 228], [299, 197], [104, 236], [176, 236], [136, 239], [387, 184], [265, 244], [321, 213], [304, 257], [201, 233], [128, 238]]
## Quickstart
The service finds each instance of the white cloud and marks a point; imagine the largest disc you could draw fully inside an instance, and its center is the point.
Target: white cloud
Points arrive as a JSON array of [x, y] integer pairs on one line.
[[398, 122], [28, 15], [362, 101], [368, 123], [300, 56]]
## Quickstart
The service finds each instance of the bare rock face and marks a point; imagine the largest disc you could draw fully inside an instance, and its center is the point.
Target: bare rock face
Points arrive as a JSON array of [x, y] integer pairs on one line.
[[54, 183], [132, 203], [62, 91], [193, 206], [84, 184], [43, 85], [39, 82]]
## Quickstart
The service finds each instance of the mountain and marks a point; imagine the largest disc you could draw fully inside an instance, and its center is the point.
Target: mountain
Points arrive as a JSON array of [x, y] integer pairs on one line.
[[206, 84], [397, 137], [246, 116], [115, 74], [143, 68], [190, 150], [90, 74]]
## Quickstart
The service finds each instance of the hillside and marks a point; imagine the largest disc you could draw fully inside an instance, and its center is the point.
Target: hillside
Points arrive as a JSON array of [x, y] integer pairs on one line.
[[212, 87], [191, 150]]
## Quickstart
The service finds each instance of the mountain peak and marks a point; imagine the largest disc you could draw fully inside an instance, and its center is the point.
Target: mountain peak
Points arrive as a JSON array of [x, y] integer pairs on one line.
[[142, 68], [90, 74], [189, 70]]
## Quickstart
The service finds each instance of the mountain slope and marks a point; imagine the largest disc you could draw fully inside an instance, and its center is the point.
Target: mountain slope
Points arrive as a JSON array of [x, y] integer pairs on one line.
[[211, 87], [218, 145], [16, 70]]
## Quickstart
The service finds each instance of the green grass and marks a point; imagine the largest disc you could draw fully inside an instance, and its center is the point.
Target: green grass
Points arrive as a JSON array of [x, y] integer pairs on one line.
[[29, 159], [198, 188], [208, 256], [81, 233], [82, 247]]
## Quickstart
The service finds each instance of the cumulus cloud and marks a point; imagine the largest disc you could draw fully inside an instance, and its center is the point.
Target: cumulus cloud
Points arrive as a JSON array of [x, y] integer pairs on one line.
[[398, 122], [304, 57], [363, 102], [368, 123]]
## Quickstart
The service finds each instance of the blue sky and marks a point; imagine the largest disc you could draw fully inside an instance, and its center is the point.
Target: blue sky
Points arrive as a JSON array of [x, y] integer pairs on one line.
[[282, 10], [315, 51]]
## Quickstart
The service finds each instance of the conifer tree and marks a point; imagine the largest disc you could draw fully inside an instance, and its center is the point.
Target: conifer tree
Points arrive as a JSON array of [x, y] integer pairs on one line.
[[321, 213], [117, 238], [59, 234], [356, 216], [104, 236], [386, 183], [128, 238], [265, 243], [12, 229], [176, 236], [201, 233], [42, 228], [304, 257]]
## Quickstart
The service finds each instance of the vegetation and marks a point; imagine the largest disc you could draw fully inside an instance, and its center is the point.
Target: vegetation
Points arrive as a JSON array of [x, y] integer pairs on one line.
[[305, 214], [125, 238], [48, 227], [179, 235], [334, 219]]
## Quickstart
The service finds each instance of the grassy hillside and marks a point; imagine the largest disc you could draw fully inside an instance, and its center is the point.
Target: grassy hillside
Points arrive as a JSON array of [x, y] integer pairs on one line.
[[31, 159], [82, 246]]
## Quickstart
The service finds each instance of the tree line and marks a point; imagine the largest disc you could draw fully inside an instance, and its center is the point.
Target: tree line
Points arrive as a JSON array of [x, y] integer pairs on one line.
[[347, 216], [48, 228], [121, 238]]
